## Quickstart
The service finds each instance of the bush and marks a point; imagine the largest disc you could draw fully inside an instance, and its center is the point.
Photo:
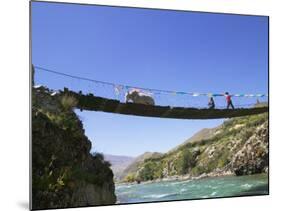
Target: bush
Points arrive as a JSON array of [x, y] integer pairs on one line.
[[223, 160], [148, 171], [196, 171], [68, 102], [100, 157], [130, 178], [185, 161]]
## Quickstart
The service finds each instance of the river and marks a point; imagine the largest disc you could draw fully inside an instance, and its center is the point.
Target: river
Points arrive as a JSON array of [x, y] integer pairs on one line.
[[224, 186]]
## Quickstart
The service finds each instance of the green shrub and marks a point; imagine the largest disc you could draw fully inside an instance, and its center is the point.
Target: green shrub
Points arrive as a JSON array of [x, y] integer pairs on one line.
[[148, 171], [196, 171], [223, 160], [130, 178], [68, 102], [185, 161], [100, 157]]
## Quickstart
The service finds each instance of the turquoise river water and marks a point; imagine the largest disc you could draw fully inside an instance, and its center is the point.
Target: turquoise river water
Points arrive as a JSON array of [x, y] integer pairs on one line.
[[224, 186]]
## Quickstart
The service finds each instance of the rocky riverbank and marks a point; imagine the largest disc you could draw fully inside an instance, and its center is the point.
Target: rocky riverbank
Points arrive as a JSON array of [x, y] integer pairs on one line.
[[181, 178]]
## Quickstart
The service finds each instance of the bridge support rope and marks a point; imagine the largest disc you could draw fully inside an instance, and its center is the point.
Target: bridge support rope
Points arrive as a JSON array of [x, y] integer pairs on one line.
[[92, 103]]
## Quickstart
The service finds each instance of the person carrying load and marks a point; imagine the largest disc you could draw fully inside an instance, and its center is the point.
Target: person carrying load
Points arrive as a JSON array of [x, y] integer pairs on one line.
[[228, 101]]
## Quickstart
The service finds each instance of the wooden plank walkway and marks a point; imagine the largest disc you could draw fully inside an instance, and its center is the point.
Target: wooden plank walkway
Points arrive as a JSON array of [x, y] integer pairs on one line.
[[93, 103]]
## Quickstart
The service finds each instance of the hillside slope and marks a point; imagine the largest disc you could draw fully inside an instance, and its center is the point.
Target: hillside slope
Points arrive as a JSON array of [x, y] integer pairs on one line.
[[118, 164], [238, 146], [64, 173], [133, 167], [205, 133]]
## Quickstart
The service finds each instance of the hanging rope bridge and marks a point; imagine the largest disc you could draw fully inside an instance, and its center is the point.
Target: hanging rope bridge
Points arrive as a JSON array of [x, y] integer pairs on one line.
[[103, 96]]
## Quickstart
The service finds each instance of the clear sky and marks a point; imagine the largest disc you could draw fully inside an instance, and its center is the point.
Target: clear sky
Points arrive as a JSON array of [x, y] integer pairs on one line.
[[183, 51]]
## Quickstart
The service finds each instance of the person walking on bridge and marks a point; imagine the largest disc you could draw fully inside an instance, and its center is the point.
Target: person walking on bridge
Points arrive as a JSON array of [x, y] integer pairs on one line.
[[228, 100], [211, 103]]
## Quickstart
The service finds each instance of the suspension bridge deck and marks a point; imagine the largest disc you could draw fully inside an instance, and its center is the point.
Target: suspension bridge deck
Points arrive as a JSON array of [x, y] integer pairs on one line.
[[92, 103]]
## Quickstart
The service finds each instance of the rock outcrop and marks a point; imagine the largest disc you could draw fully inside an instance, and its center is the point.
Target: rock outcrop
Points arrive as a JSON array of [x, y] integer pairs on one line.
[[253, 157], [64, 173]]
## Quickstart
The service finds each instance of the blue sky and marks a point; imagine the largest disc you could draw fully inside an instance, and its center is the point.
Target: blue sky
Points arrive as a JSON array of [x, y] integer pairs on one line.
[[183, 51]]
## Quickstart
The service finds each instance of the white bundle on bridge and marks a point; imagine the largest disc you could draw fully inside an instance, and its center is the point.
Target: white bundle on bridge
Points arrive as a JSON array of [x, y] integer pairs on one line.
[[140, 97]]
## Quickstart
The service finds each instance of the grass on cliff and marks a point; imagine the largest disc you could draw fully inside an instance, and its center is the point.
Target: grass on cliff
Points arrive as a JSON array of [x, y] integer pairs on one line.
[[68, 102]]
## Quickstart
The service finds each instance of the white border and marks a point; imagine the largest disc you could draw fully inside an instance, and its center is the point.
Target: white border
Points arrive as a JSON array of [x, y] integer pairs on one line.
[[14, 48]]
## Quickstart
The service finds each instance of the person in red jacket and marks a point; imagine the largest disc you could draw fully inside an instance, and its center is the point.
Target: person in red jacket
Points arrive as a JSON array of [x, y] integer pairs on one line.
[[228, 100]]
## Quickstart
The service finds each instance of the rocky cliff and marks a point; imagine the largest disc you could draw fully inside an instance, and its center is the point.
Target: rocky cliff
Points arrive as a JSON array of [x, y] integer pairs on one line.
[[64, 173], [239, 146], [253, 156]]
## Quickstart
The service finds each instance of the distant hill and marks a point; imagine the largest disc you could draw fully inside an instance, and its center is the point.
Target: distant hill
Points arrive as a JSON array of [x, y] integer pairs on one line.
[[205, 133], [118, 163], [138, 160]]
